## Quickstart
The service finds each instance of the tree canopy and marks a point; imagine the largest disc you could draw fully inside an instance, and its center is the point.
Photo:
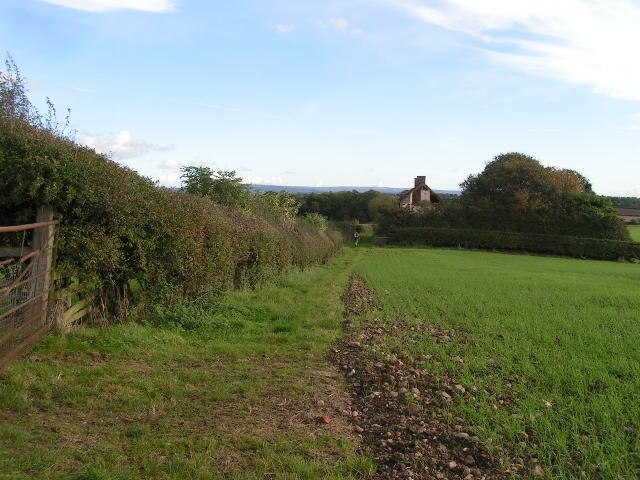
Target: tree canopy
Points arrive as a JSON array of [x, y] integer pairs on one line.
[[223, 187], [348, 205], [516, 192]]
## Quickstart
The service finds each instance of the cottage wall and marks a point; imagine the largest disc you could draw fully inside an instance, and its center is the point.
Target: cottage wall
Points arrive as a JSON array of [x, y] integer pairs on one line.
[[422, 195], [419, 194]]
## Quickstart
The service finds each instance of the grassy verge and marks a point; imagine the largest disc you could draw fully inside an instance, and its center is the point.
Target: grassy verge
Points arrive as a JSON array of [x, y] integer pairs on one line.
[[548, 346], [635, 232], [236, 395]]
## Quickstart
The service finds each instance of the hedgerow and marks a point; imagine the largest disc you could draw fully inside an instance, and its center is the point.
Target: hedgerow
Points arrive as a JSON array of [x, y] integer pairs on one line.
[[130, 240], [570, 246]]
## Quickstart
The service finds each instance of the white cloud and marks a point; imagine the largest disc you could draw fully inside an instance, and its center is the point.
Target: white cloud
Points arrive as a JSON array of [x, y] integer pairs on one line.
[[171, 176], [153, 6], [121, 145], [341, 24], [259, 180], [284, 28], [169, 179], [584, 42], [173, 164]]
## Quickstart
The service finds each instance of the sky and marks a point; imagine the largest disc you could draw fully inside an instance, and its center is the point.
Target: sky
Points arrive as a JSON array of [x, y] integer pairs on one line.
[[340, 92]]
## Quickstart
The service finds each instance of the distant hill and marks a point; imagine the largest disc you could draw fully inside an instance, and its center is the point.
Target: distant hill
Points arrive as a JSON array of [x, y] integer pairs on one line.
[[303, 189]]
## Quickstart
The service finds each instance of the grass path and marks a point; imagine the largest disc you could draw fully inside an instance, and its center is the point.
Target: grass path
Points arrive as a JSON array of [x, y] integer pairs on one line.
[[236, 397]]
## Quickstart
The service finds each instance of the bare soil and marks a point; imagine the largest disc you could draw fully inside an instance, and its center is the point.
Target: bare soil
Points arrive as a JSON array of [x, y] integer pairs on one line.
[[399, 409]]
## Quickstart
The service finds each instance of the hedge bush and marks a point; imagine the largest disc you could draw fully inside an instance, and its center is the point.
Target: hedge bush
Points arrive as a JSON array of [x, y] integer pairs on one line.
[[595, 248], [120, 229]]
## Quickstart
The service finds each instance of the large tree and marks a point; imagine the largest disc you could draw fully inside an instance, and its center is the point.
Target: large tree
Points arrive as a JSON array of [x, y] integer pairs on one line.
[[516, 192], [223, 186]]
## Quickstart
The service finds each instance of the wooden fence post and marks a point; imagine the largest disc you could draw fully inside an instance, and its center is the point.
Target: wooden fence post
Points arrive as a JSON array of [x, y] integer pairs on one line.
[[43, 240]]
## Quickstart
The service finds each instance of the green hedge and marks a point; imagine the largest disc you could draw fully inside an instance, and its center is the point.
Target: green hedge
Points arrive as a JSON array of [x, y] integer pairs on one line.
[[526, 242], [120, 229]]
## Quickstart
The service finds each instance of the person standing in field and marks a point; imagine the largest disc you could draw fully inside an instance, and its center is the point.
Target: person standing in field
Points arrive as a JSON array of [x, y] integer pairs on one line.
[[356, 238]]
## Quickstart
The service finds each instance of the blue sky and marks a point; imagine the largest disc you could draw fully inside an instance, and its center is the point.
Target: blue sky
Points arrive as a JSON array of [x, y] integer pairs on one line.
[[341, 92]]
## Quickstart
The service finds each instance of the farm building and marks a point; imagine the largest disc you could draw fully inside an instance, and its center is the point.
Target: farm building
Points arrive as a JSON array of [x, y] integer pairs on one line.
[[629, 215], [420, 196]]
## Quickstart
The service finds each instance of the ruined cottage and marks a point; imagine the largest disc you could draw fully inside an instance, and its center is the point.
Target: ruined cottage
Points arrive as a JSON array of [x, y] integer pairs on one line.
[[420, 196]]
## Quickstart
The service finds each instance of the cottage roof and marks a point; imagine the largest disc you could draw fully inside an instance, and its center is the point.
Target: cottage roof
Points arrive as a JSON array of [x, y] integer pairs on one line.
[[435, 198]]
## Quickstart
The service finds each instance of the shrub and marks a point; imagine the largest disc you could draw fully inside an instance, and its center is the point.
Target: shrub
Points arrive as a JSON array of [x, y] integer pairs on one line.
[[317, 220]]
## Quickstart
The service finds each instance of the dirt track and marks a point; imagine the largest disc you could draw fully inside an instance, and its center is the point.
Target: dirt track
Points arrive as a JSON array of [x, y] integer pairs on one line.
[[398, 408]]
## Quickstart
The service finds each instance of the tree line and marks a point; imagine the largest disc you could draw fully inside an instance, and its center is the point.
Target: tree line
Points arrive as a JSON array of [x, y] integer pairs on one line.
[[364, 207], [624, 202]]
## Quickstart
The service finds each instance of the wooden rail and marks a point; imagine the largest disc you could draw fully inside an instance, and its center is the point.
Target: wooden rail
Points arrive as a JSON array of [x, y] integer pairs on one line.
[[29, 226]]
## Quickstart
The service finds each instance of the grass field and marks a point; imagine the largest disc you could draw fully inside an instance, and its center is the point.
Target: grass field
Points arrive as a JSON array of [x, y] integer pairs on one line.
[[635, 232], [234, 396], [551, 345], [550, 348]]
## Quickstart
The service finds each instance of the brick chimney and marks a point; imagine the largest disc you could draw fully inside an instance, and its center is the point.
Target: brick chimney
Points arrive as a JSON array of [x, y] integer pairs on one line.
[[420, 181]]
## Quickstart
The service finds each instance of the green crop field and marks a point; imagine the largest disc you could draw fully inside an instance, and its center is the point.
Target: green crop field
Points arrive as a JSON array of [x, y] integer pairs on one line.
[[548, 350], [635, 232], [551, 345]]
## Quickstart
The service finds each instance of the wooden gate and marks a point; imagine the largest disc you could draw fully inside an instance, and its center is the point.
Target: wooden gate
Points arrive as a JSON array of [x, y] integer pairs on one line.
[[26, 274]]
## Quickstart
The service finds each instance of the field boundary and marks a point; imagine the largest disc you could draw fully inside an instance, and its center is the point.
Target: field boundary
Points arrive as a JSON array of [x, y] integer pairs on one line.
[[550, 244]]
